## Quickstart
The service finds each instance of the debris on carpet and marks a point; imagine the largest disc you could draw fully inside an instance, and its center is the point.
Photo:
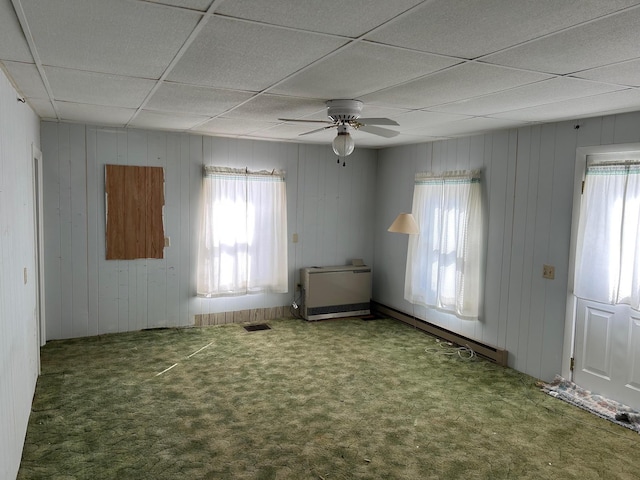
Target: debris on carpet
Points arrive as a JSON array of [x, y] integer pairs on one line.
[[597, 404]]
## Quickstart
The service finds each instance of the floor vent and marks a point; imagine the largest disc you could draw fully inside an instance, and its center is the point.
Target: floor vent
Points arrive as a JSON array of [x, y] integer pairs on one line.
[[257, 327]]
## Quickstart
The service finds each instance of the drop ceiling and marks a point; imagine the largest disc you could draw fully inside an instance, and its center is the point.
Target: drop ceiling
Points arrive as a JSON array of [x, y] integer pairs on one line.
[[440, 68]]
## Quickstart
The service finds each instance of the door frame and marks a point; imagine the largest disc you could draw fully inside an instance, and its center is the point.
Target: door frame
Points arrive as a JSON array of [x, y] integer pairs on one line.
[[38, 232], [600, 152]]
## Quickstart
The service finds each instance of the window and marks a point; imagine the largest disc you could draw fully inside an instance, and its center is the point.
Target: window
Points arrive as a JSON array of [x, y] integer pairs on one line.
[[607, 257], [243, 239], [444, 261]]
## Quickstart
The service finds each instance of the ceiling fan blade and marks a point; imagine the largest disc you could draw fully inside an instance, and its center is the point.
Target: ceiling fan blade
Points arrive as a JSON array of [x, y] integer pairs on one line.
[[377, 121], [302, 120], [317, 130], [383, 132]]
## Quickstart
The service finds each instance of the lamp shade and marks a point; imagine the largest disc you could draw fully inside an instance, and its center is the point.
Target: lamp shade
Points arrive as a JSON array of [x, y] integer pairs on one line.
[[343, 144], [404, 223]]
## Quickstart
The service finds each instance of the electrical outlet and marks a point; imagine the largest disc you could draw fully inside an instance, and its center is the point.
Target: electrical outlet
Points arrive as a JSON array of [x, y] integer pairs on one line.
[[548, 271]]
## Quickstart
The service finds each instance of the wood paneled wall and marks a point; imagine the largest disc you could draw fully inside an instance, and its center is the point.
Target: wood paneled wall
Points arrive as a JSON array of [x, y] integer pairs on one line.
[[19, 130], [528, 176], [330, 207]]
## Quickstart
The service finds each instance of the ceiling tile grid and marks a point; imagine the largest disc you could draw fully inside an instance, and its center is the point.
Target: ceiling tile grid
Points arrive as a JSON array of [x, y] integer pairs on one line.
[[457, 83], [352, 18], [440, 68], [245, 56], [473, 29], [181, 98]]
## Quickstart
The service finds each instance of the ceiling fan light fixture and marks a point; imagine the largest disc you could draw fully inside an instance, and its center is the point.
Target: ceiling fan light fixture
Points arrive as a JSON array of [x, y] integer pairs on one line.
[[343, 144]]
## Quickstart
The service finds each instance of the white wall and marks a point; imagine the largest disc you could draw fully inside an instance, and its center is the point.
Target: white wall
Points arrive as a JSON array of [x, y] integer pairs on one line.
[[329, 207], [19, 129], [528, 184]]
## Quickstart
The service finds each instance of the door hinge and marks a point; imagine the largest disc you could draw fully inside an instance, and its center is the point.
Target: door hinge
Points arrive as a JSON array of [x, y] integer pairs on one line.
[[582, 191], [572, 364]]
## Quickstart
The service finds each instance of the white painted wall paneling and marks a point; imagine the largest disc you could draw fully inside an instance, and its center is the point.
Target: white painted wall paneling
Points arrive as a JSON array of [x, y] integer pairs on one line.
[[528, 181], [329, 207], [19, 130]]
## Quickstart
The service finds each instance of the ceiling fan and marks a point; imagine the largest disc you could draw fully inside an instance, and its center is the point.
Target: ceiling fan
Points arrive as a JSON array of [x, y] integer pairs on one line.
[[345, 114]]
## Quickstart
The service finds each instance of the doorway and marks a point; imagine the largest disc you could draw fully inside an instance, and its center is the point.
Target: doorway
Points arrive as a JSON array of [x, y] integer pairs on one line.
[[38, 229], [602, 326]]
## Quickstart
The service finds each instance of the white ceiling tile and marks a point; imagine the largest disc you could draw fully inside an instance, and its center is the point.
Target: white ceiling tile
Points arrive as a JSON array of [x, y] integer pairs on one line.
[[176, 97], [362, 68], [102, 60], [602, 42], [43, 108], [540, 93], [231, 126], [351, 18], [627, 73], [424, 119], [621, 101], [465, 127], [200, 5], [13, 45], [118, 37], [165, 121], [243, 56], [456, 83], [471, 29], [403, 139], [94, 114], [271, 107], [97, 88], [376, 111], [27, 77]]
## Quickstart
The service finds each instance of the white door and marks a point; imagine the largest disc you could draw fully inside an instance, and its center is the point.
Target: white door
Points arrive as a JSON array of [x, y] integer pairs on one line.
[[607, 283], [607, 351]]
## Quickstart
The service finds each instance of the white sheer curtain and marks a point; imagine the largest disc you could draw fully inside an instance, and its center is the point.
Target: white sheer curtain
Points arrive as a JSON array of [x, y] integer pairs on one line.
[[444, 262], [243, 235], [608, 245]]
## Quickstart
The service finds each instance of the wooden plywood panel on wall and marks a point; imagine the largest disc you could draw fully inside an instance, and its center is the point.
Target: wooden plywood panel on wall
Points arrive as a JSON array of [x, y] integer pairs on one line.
[[135, 201]]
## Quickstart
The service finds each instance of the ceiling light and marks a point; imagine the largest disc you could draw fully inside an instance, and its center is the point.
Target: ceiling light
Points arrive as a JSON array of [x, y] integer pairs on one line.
[[343, 144]]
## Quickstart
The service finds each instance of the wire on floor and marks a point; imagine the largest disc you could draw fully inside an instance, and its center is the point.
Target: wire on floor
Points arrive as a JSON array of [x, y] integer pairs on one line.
[[296, 307], [447, 348]]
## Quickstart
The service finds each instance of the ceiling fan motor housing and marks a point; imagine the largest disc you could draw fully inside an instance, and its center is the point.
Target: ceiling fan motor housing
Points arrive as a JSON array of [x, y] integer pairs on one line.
[[344, 111]]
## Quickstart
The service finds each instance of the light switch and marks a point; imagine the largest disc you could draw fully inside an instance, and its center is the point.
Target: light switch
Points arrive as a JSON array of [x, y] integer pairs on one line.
[[295, 238]]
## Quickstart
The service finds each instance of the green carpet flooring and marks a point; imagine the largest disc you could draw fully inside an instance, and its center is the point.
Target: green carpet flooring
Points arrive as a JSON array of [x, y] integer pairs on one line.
[[343, 399]]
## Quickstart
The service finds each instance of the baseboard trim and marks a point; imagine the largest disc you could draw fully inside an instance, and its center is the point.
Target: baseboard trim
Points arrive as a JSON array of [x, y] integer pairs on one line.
[[495, 354]]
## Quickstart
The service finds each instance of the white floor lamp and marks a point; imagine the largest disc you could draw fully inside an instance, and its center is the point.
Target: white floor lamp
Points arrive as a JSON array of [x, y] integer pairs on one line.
[[406, 223]]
